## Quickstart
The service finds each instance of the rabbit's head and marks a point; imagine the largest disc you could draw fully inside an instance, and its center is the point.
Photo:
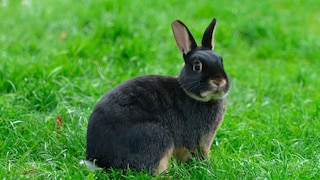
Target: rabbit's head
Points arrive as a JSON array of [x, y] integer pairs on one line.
[[202, 77]]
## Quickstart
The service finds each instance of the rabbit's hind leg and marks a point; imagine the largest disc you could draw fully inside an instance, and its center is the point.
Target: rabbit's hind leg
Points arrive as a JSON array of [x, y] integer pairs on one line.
[[148, 147]]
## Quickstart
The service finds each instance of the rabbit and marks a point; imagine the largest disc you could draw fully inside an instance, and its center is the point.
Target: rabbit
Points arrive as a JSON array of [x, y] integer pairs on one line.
[[143, 122]]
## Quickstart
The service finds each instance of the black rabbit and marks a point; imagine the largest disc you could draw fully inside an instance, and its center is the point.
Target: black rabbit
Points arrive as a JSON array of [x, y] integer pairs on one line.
[[144, 121]]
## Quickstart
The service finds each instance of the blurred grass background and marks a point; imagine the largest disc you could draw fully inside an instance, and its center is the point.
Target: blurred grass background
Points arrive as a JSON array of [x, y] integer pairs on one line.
[[57, 58]]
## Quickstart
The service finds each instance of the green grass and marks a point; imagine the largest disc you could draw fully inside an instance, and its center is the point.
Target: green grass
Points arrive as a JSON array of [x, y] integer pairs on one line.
[[57, 58]]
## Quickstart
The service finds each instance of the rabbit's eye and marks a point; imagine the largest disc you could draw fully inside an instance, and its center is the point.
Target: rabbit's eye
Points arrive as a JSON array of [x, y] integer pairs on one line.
[[197, 66]]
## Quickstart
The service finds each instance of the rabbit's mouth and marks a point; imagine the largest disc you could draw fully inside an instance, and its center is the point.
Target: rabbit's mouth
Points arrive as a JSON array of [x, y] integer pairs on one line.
[[212, 95], [209, 95], [217, 90]]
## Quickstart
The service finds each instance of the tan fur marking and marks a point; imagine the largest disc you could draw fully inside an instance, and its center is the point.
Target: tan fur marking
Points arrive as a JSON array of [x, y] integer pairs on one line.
[[164, 161], [205, 144], [181, 154], [207, 139]]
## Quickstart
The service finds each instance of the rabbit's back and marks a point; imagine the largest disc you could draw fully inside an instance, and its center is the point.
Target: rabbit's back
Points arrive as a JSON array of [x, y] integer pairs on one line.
[[144, 98]]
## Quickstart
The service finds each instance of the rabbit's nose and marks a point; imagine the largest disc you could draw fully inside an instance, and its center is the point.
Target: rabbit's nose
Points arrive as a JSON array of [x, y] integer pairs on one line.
[[218, 82]]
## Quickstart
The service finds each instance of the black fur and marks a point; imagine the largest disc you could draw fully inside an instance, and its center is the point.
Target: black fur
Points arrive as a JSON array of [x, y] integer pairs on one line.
[[139, 120]]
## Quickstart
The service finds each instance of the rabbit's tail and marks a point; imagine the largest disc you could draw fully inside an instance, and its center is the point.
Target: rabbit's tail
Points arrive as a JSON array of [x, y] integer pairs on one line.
[[90, 165]]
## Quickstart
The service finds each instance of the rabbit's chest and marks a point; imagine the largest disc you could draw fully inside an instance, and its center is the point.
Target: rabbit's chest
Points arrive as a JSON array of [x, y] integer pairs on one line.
[[196, 133], [193, 129], [196, 139]]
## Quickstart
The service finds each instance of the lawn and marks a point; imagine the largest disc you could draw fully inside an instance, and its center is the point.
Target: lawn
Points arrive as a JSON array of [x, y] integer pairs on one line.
[[57, 58]]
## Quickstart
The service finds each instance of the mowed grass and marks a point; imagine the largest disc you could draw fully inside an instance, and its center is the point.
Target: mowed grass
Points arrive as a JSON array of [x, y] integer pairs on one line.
[[57, 58]]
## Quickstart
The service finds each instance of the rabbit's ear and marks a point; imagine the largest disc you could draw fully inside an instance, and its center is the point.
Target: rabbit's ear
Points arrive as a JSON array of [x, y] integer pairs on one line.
[[208, 35], [184, 39]]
